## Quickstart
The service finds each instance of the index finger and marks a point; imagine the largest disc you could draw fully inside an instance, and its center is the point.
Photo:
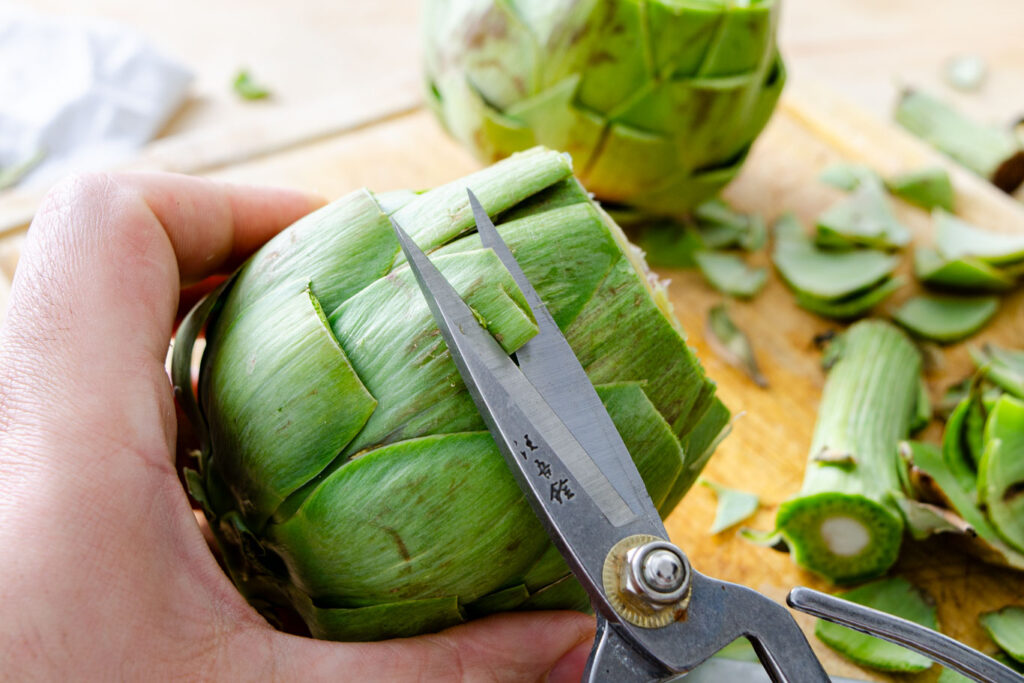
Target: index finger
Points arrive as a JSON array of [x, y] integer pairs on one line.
[[107, 253]]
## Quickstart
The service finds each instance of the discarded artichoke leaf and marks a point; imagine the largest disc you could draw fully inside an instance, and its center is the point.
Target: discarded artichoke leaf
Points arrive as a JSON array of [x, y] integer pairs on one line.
[[853, 306], [844, 524], [895, 596], [956, 238], [666, 244], [722, 227], [734, 505], [733, 345], [960, 495], [1002, 367], [966, 273], [946, 319], [825, 274], [927, 188], [925, 519], [845, 176], [730, 275], [1001, 470], [247, 88], [756, 236], [993, 153], [12, 175], [1006, 627], [965, 72], [766, 539], [950, 676], [718, 212], [862, 219], [956, 445]]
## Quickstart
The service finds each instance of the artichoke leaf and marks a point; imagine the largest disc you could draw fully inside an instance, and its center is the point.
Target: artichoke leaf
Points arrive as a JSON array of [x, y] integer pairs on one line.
[[964, 273], [956, 238], [729, 274], [946, 319], [827, 275], [1006, 627], [989, 544], [391, 620], [414, 538], [288, 400], [895, 596], [852, 306], [567, 270], [408, 368], [1001, 470]]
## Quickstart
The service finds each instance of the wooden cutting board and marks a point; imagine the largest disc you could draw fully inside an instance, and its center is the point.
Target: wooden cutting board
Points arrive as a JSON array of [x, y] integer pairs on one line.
[[766, 451]]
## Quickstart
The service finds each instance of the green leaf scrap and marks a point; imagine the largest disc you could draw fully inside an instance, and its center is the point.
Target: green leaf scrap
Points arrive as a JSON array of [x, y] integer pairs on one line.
[[247, 88], [928, 188], [895, 596], [966, 273], [722, 227], [1006, 628], [734, 347], [845, 176], [730, 275], [834, 283], [956, 238], [1002, 367], [946, 319], [862, 219], [734, 506]]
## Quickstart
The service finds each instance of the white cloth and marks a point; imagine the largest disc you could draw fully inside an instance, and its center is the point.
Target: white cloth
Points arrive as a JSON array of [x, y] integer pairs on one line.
[[86, 93]]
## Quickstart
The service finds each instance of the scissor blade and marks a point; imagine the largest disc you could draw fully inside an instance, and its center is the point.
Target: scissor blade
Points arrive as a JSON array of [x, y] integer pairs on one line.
[[550, 364], [569, 493]]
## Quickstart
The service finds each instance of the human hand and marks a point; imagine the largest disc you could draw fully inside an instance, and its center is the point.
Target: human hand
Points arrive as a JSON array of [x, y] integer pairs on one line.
[[104, 572]]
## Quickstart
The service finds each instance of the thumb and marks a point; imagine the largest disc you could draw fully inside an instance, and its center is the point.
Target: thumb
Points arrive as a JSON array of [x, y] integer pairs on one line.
[[522, 646]]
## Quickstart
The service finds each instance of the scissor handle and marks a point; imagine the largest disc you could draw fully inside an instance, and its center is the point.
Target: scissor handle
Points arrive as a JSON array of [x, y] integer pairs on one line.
[[930, 643], [719, 613]]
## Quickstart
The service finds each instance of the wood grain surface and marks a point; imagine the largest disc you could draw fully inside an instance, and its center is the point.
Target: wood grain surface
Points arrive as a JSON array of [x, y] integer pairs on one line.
[[378, 137]]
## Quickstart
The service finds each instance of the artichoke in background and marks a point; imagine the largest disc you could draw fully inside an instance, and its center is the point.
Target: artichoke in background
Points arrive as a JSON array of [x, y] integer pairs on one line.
[[344, 469], [657, 101]]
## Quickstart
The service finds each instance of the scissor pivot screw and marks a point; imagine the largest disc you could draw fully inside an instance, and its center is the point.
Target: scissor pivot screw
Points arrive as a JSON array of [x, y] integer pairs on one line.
[[658, 572], [647, 581]]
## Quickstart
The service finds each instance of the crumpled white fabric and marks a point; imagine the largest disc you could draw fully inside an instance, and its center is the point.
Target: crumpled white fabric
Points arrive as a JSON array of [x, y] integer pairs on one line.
[[85, 93]]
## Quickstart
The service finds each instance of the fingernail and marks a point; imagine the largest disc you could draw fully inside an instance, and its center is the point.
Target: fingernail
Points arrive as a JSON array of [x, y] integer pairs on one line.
[[569, 669]]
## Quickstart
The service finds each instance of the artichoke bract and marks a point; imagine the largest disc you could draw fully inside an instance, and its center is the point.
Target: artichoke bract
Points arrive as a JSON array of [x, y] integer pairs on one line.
[[344, 469], [657, 101]]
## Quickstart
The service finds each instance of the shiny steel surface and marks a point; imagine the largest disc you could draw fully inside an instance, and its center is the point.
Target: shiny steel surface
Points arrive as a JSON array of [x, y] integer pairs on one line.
[[932, 644]]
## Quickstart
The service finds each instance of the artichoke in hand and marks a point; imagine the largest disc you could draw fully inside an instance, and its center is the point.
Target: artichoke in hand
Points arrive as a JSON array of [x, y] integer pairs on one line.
[[657, 101], [345, 471]]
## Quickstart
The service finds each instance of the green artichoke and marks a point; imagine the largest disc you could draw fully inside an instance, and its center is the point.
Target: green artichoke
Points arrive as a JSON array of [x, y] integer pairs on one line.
[[344, 469], [657, 101]]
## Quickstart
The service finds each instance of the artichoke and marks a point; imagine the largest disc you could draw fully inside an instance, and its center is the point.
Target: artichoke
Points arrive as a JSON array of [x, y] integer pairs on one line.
[[344, 469], [657, 101]]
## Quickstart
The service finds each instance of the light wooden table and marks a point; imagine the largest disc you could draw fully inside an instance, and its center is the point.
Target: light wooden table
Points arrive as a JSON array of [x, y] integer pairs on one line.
[[346, 114]]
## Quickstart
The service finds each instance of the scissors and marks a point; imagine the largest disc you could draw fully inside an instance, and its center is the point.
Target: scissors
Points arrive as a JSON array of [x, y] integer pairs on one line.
[[657, 616]]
